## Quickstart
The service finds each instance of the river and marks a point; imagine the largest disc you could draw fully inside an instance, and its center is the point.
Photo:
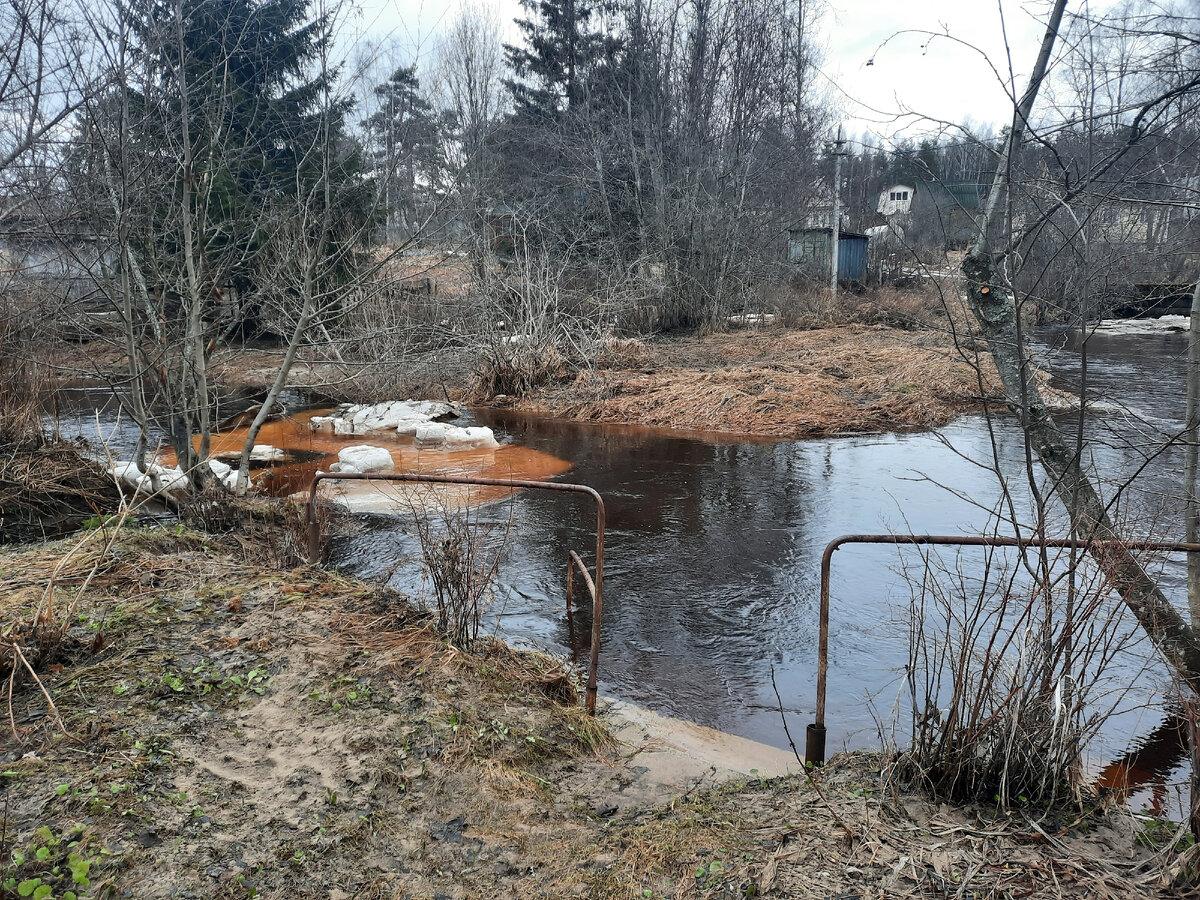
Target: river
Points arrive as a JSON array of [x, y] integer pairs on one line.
[[714, 544]]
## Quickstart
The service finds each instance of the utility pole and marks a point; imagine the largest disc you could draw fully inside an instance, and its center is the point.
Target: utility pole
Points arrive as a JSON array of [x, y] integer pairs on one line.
[[837, 212]]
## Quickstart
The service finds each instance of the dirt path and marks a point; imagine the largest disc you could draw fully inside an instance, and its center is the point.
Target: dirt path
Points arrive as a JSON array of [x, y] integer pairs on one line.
[[237, 731]]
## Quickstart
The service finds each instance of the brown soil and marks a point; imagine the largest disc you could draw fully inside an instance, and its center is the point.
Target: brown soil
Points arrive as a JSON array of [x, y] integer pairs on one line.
[[232, 731], [774, 382]]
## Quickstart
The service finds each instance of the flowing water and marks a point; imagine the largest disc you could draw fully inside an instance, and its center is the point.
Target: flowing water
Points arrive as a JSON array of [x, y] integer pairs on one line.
[[714, 545]]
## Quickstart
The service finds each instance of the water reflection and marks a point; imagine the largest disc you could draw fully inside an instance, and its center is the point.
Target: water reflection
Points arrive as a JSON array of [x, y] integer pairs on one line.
[[714, 547]]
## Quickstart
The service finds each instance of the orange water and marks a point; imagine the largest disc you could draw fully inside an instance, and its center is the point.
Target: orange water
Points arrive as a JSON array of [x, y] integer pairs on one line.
[[294, 433]]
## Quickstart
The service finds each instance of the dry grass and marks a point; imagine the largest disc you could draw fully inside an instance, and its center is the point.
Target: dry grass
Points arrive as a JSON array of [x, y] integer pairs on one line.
[[47, 487], [808, 305], [779, 383], [296, 733]]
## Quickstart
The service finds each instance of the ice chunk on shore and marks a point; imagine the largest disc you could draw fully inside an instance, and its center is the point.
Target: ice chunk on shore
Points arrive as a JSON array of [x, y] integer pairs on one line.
[[387, 416], [438, 436], [1160, 325], [363, 458]]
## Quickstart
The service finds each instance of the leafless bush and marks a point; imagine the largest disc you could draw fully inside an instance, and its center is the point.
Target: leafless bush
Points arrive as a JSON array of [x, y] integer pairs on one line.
[[1009, 678], [516, 369], [806, 304], [461, 551], [20, 393], [535, 320]]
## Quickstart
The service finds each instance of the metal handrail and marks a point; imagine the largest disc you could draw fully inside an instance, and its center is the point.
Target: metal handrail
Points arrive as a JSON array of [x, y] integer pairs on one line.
[[814, 744], [595, 587]]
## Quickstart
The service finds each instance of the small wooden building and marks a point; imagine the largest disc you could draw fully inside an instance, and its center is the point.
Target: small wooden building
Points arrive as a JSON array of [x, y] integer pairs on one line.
[[809, 248]]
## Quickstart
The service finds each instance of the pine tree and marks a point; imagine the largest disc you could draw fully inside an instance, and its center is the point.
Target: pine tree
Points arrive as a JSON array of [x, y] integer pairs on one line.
[[404, 137], [229, 90]]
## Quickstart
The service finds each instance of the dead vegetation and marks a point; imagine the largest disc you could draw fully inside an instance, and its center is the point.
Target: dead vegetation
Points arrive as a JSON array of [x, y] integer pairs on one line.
[[775, 382], [47, 487], [229, 730]]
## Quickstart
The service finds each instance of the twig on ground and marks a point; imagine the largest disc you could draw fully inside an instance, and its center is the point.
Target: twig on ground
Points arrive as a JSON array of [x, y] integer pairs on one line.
[[808, 774]]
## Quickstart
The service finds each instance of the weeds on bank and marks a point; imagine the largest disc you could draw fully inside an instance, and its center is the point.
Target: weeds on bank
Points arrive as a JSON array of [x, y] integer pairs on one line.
[[55, 864], [1007, 681]]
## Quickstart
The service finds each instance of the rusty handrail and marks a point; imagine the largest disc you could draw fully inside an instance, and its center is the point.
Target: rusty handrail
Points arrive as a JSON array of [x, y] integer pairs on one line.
[[574, 562], [814, 745], [596, 587]]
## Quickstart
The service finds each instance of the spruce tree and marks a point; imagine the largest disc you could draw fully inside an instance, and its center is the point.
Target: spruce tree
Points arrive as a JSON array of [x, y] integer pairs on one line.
[[403, 136], [563, 45]]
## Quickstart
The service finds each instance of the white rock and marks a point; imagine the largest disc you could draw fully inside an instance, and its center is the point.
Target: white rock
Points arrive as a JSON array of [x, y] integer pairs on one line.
[[439, 436], [361, 419], [127, 475], [225, 474], [365, 458], [265, 453], [480, 438], [169, 480], [430, 435], [408, 427], [156, 478], [365, 418]]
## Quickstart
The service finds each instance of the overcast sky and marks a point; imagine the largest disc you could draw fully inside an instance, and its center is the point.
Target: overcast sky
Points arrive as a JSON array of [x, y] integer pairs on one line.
[[962, 72], [912, 75]]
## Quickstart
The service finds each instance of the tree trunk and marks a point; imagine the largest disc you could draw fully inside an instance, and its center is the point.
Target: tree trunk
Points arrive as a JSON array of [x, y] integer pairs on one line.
[[1191, 510], [996, 314]]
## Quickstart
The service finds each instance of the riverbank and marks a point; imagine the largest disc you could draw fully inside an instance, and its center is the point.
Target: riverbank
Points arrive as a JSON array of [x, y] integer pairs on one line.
[[773, 382], [766, 381], [224, 728]]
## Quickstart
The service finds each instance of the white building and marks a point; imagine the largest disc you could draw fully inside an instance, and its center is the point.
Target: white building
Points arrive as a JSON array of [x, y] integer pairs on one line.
[[896, 200]]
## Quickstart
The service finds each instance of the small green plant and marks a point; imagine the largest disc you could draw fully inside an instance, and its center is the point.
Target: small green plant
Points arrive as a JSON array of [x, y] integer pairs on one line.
[[95, 523], [52, 866], [496, 732], [174, 682], [203, 679], [344, 691], [1157, 835], [710, 875]]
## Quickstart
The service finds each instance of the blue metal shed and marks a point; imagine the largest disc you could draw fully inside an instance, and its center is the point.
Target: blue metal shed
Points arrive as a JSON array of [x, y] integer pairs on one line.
[[809, 248]]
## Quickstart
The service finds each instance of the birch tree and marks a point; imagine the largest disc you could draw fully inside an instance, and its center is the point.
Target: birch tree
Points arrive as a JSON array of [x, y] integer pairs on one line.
[[997, 315]]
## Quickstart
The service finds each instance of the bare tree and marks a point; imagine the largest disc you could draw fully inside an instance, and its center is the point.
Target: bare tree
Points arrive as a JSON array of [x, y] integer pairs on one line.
[[202, 181], [469, 94], [998, 317]]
